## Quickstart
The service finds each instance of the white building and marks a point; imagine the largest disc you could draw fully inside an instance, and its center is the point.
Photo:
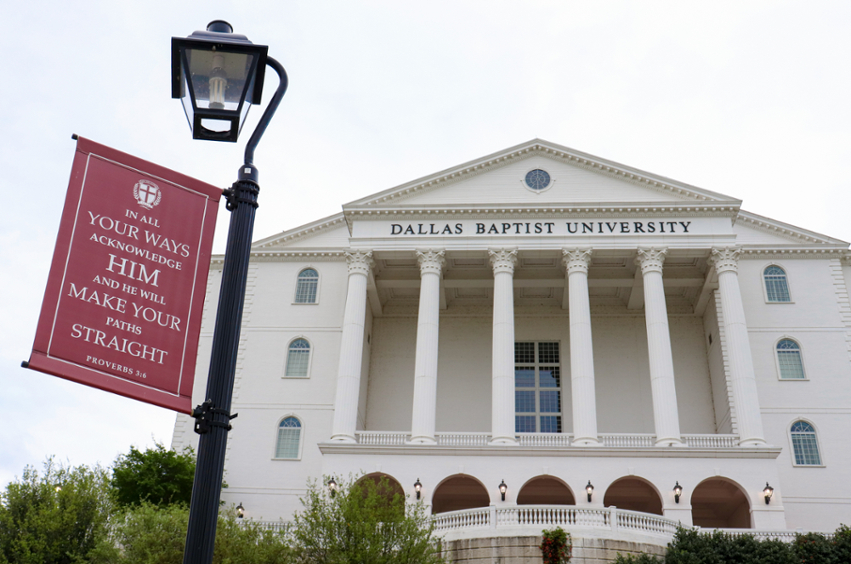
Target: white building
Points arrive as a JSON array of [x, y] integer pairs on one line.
[[547, 319]]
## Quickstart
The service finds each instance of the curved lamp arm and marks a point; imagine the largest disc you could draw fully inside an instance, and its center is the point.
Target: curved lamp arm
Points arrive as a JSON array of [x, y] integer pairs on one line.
[[265, 119]]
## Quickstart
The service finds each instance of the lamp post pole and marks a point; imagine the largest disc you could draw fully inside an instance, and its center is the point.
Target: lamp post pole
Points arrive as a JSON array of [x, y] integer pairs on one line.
[[213, 416]]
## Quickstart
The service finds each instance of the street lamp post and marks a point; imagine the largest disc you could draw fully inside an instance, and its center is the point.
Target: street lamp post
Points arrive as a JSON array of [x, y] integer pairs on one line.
[[218, 74]]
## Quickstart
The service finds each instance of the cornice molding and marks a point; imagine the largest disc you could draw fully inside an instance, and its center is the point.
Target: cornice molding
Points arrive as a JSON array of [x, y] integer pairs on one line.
[[538, 147], [304, 231], [546, 211], [776, 228]]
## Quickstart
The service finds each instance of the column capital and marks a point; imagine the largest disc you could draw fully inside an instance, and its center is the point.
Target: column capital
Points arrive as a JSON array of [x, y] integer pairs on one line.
[[651, 260], [725, 259], [503, 260], [431, 261], [576, 260], [360, 262]]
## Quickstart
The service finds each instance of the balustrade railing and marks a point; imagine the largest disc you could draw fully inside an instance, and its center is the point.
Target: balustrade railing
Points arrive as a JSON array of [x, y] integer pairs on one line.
[[382, 438], [711, 441], [627, 440], [462, 439], [622, 440], [536, 517], [544, 439]]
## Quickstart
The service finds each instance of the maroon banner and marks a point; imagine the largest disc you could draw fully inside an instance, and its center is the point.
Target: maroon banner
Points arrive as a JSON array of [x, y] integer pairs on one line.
[[122, 308]]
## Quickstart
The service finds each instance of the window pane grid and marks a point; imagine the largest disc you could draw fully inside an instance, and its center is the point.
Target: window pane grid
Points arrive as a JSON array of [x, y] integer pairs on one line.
[[308, 281], [789, 360], [805, 445], [537, 381], [298, 358], [289, 433], [776, 286]]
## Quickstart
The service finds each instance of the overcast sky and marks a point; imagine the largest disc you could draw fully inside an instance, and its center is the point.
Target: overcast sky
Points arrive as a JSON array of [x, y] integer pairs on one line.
[[749, 99]]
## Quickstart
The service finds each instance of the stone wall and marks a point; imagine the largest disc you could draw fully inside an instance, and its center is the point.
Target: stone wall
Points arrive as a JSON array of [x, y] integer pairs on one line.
[[524, 550]]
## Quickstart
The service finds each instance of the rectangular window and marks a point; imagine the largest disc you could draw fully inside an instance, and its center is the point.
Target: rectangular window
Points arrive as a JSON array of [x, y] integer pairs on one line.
[[537, 388]]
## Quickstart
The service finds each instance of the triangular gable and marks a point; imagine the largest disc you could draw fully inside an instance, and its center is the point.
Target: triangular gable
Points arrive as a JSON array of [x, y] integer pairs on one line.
[[329, 232], [578, 178], [753, 230]]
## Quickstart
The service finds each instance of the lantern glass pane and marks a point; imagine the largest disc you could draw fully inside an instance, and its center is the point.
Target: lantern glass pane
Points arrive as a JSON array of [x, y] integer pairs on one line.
[[219, 78]]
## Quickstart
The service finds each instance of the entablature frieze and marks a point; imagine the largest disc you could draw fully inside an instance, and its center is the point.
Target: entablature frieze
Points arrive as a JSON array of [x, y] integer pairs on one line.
[[746, 252]]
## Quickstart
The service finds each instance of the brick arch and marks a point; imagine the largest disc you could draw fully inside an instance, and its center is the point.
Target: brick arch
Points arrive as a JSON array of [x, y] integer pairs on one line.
[[720, 503], [635, 494], [460, 491], [545, 490]]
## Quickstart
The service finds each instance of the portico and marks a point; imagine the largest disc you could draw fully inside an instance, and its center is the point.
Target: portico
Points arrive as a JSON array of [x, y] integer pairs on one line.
[[578, 290]]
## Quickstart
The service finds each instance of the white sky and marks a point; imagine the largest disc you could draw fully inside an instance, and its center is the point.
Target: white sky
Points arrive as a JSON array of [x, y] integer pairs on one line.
[[750, 99]]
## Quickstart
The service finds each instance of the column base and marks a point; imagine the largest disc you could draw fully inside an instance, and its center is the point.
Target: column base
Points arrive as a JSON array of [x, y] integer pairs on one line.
[[343, 439], [670, 442], [510, 441], [423, 440], [586, 442], [752, 442]]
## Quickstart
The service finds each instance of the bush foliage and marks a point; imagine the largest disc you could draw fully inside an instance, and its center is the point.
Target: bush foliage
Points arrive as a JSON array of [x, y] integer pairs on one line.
[[556, 546], [363, 521], [718, 547], [54, 517], [158, 475]]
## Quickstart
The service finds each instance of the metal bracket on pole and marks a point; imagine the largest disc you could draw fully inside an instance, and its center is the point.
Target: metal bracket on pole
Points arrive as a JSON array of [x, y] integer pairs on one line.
[[235, 195], [203, 415]]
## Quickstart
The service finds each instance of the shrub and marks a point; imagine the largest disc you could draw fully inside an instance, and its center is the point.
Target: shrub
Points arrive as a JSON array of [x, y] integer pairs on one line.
[[556, 546]]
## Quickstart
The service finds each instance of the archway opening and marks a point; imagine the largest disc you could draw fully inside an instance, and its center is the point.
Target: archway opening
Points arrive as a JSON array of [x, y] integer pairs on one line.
[[634, 494], [459, 492], [387, 488], [720, 503], [545, 490]]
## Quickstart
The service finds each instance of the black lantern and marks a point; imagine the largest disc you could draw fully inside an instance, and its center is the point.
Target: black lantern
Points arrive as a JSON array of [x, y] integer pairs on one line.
[[217, 74], [589, 489], [768, 492], [678, 491], [240, 511], [502, 489], [332, 487], [418, 487]]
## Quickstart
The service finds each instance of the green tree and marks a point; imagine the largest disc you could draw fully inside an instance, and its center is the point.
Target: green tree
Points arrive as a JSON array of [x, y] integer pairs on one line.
[[158, 475], [54, 517], [148, 534], [365, 521]]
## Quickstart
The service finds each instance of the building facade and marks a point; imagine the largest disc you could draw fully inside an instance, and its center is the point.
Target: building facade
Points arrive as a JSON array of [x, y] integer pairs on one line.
[[588, 335]]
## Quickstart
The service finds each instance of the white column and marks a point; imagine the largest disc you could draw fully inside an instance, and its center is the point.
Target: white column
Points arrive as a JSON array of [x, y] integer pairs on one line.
[[502, 409], [576, 261], [351, 349], [425, 369], [665, 412], [742, 376]]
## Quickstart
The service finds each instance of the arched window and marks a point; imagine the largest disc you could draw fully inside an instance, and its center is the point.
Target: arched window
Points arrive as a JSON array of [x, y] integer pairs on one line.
[[776, 286], [289, 438], [789, 360], [805, 444], [298, 359], [305, 290]]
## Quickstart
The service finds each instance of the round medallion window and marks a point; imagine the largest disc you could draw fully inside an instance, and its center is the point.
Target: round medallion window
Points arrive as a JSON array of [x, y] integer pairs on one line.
[[537, 179]]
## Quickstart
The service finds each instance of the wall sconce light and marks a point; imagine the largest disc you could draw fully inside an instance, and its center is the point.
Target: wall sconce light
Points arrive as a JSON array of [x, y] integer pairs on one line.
[[678, 491], [332, 487], [418, 487], [768, 492], [240, 511], [502, 489], [589, 489]]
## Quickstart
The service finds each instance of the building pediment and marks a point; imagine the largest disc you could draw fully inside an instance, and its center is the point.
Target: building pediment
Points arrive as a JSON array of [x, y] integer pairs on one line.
[[576, 179]]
